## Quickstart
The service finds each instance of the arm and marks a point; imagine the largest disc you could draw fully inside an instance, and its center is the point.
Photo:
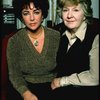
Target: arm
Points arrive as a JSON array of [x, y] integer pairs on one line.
[[15, 74], [85, 78]]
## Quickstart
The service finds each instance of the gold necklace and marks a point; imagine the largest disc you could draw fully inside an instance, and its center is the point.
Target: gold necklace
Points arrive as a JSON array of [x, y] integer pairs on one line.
[[35, 43]]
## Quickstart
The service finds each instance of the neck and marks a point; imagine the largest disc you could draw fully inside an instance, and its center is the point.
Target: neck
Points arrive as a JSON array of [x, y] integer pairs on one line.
[[36, 33]]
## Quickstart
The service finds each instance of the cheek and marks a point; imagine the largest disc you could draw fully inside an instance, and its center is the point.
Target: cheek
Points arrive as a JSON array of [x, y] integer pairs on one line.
[[80, 20], [81, 16], [25, 19], [39, 18], [64, 16], [26, 22]]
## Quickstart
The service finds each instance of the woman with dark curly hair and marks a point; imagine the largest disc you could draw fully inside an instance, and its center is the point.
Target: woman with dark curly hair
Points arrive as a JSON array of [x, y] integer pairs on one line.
[[31, 52]]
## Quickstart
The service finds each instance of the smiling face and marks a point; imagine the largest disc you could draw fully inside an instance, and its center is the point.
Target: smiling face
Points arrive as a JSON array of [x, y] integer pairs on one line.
[[32, 17], [73, 16]]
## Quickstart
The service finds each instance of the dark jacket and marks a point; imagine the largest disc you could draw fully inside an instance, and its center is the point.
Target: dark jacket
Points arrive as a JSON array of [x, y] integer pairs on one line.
[[76, 59]]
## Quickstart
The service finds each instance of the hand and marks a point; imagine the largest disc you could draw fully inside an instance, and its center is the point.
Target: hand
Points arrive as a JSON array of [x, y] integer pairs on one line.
[[29, 96], [55, 83]]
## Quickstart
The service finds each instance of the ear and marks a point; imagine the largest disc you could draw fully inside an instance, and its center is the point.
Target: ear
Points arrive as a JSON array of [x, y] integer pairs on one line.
[[84, 18], [42, 18]]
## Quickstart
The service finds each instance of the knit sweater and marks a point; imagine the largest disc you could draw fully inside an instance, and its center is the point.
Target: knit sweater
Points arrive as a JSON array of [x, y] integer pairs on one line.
[[25, 64]]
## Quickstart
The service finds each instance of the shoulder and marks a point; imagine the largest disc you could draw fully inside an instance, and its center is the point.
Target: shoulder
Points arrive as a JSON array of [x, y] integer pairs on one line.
[[17, 35], [52, 32], [60, 27], [94, 27], [96, 41]]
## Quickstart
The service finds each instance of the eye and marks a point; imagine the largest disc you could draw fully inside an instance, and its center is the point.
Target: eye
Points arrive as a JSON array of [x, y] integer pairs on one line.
[[25, 13], [76, 10], [65, 10], [36, 12]]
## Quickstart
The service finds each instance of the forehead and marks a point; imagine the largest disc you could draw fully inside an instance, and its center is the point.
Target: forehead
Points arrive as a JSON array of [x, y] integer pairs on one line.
[[31, 6], [72, 6]]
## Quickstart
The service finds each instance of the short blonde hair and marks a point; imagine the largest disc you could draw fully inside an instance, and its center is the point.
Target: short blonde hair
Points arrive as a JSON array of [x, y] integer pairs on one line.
[[86, 7]]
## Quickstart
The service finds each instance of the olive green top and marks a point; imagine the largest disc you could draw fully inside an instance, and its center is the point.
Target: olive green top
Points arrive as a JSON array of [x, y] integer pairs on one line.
[[26, 64]]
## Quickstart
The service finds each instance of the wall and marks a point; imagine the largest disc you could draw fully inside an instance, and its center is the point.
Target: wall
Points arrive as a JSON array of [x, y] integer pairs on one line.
[[95, 5]]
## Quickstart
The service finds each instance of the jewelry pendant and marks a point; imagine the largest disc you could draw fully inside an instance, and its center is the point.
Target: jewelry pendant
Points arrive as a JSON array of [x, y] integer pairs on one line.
[[36, 43]]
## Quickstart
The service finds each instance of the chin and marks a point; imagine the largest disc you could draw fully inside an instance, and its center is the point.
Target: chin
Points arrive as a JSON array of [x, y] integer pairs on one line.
[[70, 27], [31, 29]]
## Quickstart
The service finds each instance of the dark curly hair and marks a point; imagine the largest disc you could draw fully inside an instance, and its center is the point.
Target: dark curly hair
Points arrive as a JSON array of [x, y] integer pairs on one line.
[[19, 5]]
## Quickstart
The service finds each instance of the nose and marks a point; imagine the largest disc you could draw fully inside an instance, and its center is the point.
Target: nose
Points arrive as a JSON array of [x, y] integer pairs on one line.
[[31, 17], [69, 14]]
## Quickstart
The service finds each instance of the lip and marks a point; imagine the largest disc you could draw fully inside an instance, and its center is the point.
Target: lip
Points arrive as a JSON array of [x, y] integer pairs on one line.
[[32, 24], [70, 21]]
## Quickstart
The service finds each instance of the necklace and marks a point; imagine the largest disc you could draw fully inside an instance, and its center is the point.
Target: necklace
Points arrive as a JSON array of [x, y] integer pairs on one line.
[[36, 43]]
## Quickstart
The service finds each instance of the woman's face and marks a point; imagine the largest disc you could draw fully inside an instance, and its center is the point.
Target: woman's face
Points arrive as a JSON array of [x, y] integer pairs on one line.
[[32, 17], [73, 16]]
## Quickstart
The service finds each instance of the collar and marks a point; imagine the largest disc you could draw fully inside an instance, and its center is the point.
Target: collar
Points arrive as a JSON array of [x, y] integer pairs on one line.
[[80, 33]]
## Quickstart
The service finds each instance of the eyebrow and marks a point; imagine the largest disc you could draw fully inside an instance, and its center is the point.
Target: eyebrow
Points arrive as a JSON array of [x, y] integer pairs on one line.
[[31, 9]]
